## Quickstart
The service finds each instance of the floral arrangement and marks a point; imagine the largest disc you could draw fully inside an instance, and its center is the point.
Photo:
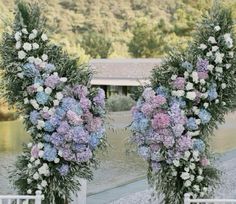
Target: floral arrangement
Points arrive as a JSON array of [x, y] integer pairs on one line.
[[62, 114], [189, 96]]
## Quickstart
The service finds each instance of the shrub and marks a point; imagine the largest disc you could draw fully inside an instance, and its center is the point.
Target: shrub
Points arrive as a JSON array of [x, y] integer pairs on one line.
[[119, 103]]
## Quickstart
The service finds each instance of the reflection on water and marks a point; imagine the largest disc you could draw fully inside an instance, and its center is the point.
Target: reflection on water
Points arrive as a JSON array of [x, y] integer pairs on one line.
[[116, 166]]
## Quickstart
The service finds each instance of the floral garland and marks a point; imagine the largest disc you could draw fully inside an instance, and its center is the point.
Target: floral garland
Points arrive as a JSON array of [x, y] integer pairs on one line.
[[65, 120], [172, 119]]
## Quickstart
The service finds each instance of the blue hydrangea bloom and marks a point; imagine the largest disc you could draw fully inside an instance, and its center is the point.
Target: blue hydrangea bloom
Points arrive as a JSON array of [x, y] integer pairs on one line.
[[188, 66], [50, 153], [55, 120], [68, 103], [212, 93], [46, 137], [191, 124], [178, 100], [77, 108], [34, 117], [30, 70], [50, 68], [64, 169], [42, 98], [205, 116], [144, 152], [94, 141], [60, 112], [80, 147], [199, 145], [98, 134], [38, 80], [48, 126], [161, 90], [140, 123]]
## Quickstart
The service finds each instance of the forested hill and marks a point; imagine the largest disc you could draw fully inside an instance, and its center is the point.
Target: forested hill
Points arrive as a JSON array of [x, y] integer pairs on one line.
[[169, 22]]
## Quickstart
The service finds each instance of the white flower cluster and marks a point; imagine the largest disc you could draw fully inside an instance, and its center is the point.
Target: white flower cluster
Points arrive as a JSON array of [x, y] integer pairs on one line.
[[25, 42]]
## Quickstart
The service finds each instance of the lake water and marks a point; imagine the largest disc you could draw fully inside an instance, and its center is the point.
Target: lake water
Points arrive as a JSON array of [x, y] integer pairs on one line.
[[117, 167]]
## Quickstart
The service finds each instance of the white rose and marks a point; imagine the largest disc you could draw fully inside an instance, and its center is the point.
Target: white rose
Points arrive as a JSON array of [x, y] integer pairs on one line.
[[187, 183], [59, 96], [219, 57], [37, 162], [196, 188], [198, 121], [32, 36], [206, 105], [217, 101], [44, 183], [215, 48], [202, 46], [212, 40], [191, 95], [45, 108], [29, 180], [219, 69], [18, 45], [41, 153], [187, 155], [27, 46], [223, 85], [205, 189], [36, 176], [20, 75], [35, 32], [173, 77], [29, 191], [223, 103], [18, 36], [186, 169], [40, 89], [37, 61], [209, 54], [185, 175], [60, 153], [29, 145], [231, 54], [39, 187], [41, 124], [48, 90], [210, 67], [196, 154], [192, 166], [217, 28], [174, 173], [176, 163], [192, 178], [199, 179], [32, 159], [202, 81], [189, 86], [228, 66], [21, 54], [63, 79], [51, 111], [44, 57], [55, 102], [26, 101], [202, 194], [24, 30], [57, 160], [31, 59], [228, 40], [29, 166], [44, 37], [35, 46], [195, 76], [40, 145]]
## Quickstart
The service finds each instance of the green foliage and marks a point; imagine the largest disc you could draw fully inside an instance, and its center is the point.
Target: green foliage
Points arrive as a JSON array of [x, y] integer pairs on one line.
[[119, 103], [145, 41], [96, 45]]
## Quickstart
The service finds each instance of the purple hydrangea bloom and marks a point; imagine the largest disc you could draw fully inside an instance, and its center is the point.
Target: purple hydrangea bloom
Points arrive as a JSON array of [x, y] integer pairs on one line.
[[84, 156], [42, 98], [80, 91], [50, 153], [85, 104], [184, 143], [55, 120], [179, 83], [63, 128], [99, 99], [80, 135], [52, 81], [34, 117], [63, 170], [202, 65], [56, 139], [68, 103]]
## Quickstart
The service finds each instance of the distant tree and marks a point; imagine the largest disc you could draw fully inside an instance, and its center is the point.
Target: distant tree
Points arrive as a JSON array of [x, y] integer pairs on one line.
[[96, 45], [145, 41]]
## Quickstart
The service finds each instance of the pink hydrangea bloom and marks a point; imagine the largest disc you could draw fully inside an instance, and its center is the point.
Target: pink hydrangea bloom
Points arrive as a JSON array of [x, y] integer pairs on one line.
[[80, 91], [148, 94], [147, 109], [85, 104], [94, 124], [204, 161], [202, 75], [179, 83], [158, 101], [161, 120], [168, 141], [52, 81], [74, 118], [184, 143], [35, 151], [31, 89]]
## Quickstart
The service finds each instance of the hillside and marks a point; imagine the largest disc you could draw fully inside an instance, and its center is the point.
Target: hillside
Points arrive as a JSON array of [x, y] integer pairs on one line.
[[68, 20]]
